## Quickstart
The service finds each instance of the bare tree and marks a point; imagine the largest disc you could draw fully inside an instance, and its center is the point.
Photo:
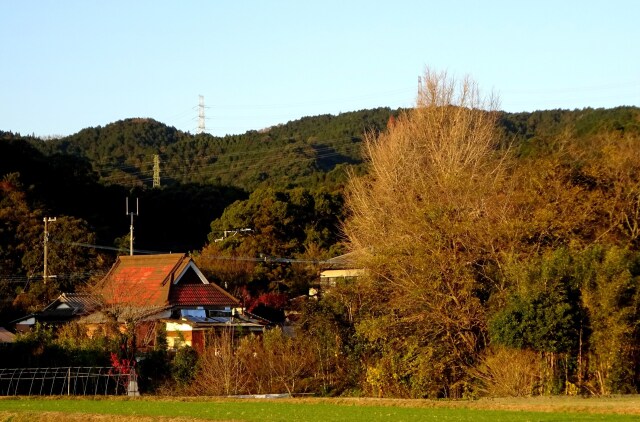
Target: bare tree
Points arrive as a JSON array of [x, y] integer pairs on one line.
[[272, 363], [425, 221]]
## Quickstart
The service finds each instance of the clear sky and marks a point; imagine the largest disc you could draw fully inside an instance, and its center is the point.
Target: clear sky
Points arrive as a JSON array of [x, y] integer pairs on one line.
[[67, 65]]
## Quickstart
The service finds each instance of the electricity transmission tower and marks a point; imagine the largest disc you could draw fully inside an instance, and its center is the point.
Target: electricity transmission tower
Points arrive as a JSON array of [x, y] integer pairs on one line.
[[156, 171], [201, 114]]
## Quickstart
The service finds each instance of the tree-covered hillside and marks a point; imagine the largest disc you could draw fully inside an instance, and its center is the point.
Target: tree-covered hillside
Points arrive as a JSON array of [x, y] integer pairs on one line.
[[308, 151]]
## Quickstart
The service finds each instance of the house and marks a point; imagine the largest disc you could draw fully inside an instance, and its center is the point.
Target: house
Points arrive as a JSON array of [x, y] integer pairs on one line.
[[150, 283], [150, 290], [67, 307], [171, 290], [335, 269]]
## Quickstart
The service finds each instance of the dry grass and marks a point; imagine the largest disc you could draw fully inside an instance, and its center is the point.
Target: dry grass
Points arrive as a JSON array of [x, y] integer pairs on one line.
[[83, 417], [629, 405]]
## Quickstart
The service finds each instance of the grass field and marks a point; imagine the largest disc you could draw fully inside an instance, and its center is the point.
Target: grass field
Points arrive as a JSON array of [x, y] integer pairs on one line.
[[625, 408]]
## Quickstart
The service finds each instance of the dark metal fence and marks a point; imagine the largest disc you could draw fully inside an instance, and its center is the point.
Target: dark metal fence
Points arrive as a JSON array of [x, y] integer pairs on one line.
[[71, 381]]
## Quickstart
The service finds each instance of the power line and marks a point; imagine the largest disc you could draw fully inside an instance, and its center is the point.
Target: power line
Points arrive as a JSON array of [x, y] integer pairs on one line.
[[88, 274], [112, 248]]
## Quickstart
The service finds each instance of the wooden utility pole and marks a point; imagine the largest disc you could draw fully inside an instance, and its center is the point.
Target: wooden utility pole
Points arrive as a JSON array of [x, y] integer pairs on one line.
[[131, 227], [46, 241]]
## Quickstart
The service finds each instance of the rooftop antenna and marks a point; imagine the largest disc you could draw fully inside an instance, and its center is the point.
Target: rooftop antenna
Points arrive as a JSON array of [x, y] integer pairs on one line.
[[131, 227]]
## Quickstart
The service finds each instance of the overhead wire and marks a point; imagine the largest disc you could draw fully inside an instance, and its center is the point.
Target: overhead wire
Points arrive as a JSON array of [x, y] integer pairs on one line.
[[19, 279]]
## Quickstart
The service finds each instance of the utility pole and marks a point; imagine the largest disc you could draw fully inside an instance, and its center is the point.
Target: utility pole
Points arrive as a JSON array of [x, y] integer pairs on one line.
[[46, 241], [201, 114], [156, 171], [131, 227]]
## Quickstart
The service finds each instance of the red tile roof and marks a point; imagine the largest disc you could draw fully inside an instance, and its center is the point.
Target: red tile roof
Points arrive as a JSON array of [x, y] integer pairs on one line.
[[148, 280], [142, 280], [201, 295]]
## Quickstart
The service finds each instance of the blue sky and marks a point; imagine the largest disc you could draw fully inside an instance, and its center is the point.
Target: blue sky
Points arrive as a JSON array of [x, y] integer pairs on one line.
[[67, 65]]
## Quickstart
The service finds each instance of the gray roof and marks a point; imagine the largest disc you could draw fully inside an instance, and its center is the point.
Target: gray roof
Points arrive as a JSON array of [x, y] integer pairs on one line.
[[70, 304], [340, 262]]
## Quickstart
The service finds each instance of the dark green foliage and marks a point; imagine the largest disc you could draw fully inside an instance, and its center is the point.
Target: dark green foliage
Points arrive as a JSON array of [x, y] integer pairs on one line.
[[154, 366], [273, 224], [184, 365], [611, 289], [283, 223], [327, 321], [579, 302], [548, 315], [70, 346], [154, 369], [545, 322]]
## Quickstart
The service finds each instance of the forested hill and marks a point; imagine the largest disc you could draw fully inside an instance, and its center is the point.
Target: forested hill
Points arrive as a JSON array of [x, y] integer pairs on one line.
[[578, 123], [307, 151]]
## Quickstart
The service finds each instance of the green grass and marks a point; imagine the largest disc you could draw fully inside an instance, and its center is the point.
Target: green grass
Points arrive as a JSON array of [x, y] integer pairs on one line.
[[292, 410]]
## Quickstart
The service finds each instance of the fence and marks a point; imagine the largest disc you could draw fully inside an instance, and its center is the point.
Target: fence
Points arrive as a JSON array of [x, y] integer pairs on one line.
[[68, 381]]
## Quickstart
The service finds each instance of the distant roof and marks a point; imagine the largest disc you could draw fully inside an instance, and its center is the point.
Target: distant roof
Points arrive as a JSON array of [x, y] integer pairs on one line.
[[341, 262], [201, 294], [6, 336], [63, 308], [74, 303]]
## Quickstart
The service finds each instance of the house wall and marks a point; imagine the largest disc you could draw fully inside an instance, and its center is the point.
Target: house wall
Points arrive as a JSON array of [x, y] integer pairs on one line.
[[179, 334], [330, 277], [341, 273], [198, 341]]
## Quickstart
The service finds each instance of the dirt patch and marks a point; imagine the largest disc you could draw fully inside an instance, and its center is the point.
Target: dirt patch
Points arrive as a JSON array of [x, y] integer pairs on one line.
[[85, 417], [616, 405]]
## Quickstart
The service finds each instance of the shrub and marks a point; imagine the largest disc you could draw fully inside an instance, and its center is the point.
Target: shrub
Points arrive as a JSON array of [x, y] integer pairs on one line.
[[184, 365], [509, 372]]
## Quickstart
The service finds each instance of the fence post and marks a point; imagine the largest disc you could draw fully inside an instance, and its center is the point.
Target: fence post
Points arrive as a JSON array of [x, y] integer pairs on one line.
[[132, 389]]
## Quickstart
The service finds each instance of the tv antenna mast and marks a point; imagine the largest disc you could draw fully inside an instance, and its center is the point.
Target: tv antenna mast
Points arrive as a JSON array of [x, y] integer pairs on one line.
[[131, 227], [201, 118]]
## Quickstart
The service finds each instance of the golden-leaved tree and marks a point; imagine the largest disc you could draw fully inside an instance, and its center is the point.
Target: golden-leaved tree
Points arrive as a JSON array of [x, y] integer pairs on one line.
[[427, 222]]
